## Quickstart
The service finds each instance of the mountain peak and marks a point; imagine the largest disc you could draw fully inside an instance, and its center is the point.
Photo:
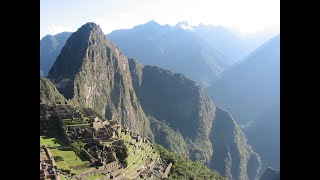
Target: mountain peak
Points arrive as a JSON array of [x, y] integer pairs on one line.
[[152, 22], [150, 25], [74, 54], [90, 27], [184, 25]]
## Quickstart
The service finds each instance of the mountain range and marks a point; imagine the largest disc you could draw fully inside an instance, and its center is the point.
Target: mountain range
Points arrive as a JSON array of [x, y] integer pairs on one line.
[[200, 52], [251, 91], [91, 71], [50, 47]]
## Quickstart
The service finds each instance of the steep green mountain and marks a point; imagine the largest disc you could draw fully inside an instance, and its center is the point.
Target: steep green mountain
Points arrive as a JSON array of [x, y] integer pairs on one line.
[[251, 91], [233, 156], [173, 48], [50, 47], [270, 174], [49, 93], [210, 49], [209, 134], [183, 168], [168, 137], [91, 72]]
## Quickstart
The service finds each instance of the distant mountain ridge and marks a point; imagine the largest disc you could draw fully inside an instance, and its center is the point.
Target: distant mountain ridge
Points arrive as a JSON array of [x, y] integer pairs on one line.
[[251, 91], [92, 72], [199, 52], [174, 48], [205, 132], [50, 47], [258, 75]]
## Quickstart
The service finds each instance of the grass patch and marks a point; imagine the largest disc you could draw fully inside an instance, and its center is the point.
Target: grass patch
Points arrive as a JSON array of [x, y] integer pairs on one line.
[[80, 170], [65, 158], [135, 161], [64, 178], [49, 141], [69, 157], [97, 176]]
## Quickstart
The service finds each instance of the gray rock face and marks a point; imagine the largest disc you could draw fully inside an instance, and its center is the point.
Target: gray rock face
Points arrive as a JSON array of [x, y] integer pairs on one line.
[[270, 174], [91, 72], [211, 134], [233, 156]]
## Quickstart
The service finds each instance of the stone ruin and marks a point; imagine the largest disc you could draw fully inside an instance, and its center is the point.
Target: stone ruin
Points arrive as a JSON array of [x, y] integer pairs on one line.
[[100, 136], [48, 167]]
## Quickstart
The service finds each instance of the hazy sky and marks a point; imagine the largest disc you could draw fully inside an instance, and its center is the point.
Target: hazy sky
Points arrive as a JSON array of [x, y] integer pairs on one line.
[[243, 16]]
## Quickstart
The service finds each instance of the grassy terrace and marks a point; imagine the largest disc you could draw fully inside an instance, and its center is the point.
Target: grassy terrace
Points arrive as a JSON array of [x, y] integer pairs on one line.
[[138, 159], [69, 158], [98, 176], [52, 142]]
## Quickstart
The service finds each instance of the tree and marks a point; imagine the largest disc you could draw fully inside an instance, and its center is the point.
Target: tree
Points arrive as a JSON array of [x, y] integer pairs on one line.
[[77, 147], [125, 163], [122, 154]]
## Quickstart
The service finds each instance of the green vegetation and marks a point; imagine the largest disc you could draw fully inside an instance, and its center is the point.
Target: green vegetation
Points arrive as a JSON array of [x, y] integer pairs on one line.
[[69, 159], [77, 147], [122, 154], [58, 158], [169, 138], [187, 111], [49, 92], [183, 168], [79, 171], [64, 158], [136, 156], [49, 141], [97, 176], [64, 178], [77, 76]]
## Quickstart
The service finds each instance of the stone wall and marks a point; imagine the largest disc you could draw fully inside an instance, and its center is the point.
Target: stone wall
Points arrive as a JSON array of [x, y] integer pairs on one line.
[[87, 154], [82, 166], [92, 172], [166, 172]]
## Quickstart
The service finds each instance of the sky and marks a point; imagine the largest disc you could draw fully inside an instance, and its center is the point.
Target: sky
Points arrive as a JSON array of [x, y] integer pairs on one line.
[[244, 17]]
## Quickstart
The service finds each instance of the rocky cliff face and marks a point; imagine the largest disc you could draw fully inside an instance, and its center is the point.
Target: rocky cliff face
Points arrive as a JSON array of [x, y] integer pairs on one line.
[[49, 93], [270, 174], [211, 134], [233, 156], [91, 72], [251, 91]]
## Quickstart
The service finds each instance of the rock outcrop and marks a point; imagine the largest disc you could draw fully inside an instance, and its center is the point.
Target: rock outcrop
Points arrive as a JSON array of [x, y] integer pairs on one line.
[[91, 72], [233, 156], [270, 174], [49, 93], [211, 134]]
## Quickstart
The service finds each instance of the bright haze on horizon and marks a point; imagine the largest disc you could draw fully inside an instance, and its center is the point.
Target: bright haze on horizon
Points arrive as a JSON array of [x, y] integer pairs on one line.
[[244, 17]]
